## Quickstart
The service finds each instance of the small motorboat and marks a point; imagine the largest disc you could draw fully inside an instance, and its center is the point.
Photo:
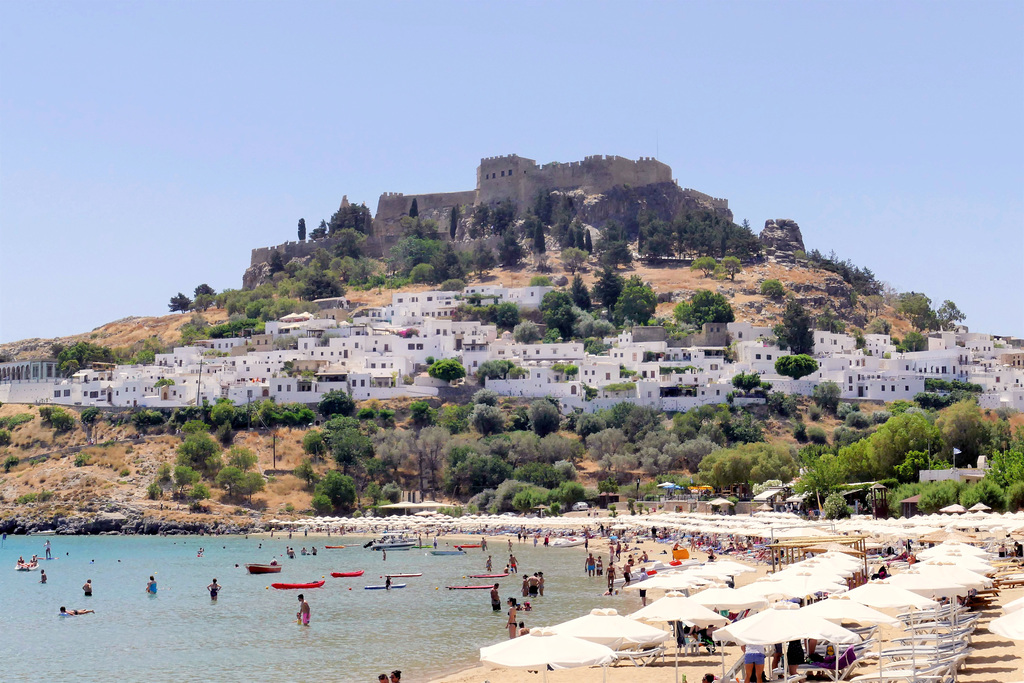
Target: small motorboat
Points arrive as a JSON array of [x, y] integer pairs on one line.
[[570, 542], [392, 542], [402, 576], [262, 568], [447, 552], [470, 588], [293, 586], [487, 576], [381, 588], [345, 575]]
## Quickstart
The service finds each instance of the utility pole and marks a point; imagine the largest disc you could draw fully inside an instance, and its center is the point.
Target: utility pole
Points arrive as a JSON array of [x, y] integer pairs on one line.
[[199, 384]]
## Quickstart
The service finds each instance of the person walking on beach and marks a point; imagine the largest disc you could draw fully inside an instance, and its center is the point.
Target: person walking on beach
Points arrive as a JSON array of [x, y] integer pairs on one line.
[[87, 588], [495, 599], [303, 614], [214, 589], [151, 586]]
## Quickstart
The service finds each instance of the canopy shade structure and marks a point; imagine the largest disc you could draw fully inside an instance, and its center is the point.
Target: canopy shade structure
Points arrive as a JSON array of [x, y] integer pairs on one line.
[[607, 627], [954, 509], [979, 507], [719, 501], [841, 609], [781, 626], [542, 648], [888, 596], [1009, 626], [676, 607]]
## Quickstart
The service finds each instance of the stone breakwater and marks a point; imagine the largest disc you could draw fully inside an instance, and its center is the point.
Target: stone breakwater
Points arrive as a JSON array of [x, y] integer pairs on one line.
[[116, 522]]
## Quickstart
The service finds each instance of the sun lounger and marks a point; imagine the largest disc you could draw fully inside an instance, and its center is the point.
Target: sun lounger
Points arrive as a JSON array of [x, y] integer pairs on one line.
[[641, 657]]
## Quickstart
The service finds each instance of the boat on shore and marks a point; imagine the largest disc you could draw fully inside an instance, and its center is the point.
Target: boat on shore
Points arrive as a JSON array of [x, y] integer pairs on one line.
[[298, 586], [263, 568], [345, 575]]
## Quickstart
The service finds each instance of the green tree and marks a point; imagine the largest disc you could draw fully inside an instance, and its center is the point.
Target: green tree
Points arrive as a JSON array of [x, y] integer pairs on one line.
[[453, 221], [795, 332], [536, 231], [835, 507], [229, 479], [900, 435], [349, 446], [544, 417], [608, 287], [184, 476], [573, 259], [526, 332], [963, 427], [414, 209], [796, 366], [487, 419], [302, 229], [204, 290], [89, 415], [505, 315], [306, 473], [557, 308], [746, 382], [448, 370], [313, 444], [494, 369], [636, 303], [336, 402], [915, 341], [826, 396], [732, 266], [511, 250], [706, 264], [338, 488], [241, 458], [180, 303], [917, 308], [704, 307], [949, 315], [422, 414], [579, 293], [200, 452], [772, 289], [483, 259]]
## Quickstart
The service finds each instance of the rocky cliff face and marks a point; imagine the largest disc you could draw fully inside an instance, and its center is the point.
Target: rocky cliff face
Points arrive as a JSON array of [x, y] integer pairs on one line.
[[781, 239], [622, 203]]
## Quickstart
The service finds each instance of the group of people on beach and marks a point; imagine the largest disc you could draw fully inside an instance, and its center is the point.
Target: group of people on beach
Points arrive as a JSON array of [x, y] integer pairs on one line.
[[396, 677]]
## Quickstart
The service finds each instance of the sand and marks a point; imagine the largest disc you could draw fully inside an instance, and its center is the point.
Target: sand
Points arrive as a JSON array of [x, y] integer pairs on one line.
[[994, 658]]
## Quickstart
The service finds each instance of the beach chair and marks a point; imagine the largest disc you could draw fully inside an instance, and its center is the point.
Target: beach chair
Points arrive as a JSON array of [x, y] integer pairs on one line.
[[847, 661], [640, 657]]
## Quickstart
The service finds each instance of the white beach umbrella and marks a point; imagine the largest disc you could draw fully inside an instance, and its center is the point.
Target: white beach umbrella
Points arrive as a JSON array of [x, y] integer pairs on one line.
[[839, 608], [888, 596], [795, 585], [726, 567], [542, 648], [1009, 626], [979, 507], [781, 626], [974, 564], [929, 586], [677, 607], [1013, 606], [678, 581], [954, 509], [952, 572], [607, 627], [728, 598], [952, 548]]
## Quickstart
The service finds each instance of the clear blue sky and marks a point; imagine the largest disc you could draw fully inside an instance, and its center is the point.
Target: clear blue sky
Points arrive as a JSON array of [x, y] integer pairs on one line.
[[145, 147]]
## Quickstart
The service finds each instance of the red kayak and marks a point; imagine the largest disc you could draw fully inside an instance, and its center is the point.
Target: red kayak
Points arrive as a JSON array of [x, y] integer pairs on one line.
[[284, 586], [335, 547], [487, 576], [343, 575], [468, 546], [402, 576], [470, 588]]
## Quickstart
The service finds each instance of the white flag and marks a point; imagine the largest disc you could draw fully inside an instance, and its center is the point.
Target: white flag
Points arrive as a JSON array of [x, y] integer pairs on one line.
[[957, 451]]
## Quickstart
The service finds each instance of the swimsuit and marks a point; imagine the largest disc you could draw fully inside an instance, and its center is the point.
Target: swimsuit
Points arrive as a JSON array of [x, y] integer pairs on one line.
[[213, 593]]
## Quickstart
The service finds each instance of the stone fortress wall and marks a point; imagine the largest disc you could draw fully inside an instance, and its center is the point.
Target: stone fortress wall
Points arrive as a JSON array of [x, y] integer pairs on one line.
[[499, 178]]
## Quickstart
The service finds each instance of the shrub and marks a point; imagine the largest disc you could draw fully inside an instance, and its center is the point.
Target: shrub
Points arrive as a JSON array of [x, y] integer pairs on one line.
[[540, 281], [1014, 496], [985, 491], [154, 491], [10, 462], [845, 409], [800, 432], [5, 437], [452, 285], [817, 435], [772, 289], [939, 495], [826, 396], [321, 504], [15, 420], [447, 370], [486, 397], [422, 272], [835, 507], [858, 420], [27, 498], [814, 413], [366, 414], [81, 460]]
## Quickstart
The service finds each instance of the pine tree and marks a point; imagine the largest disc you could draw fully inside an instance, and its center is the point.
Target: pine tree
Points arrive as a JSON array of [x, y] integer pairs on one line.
[[578, 292], [414, 210], [453, 225], [302, 229], [795, 329]]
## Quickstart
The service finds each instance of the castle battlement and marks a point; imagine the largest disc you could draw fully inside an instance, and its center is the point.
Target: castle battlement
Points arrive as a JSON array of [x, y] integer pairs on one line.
[[392, 194]]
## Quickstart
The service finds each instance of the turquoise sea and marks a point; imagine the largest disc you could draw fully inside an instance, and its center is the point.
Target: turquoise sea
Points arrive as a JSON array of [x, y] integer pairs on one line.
[[250, 633]]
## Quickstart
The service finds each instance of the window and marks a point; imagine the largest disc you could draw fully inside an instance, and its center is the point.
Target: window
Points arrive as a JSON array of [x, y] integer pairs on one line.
[[56, 394], [757, 356]]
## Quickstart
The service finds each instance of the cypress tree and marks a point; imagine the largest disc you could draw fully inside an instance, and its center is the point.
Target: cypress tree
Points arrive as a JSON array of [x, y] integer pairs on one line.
[[578, 292], [302, 229], [414, 210], [588, 243], [453, 224], [538, 238]]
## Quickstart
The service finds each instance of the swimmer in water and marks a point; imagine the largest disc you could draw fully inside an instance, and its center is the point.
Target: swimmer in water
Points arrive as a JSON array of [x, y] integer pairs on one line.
[[64, 612], [151, 586]]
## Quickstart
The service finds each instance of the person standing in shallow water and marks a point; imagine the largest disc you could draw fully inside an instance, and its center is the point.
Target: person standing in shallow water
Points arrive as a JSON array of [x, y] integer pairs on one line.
[[214, 589], [151, 586], [303, 615], [87, 588]]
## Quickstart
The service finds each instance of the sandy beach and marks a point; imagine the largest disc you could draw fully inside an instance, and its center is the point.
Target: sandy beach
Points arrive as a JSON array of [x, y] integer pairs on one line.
[[994, 658]]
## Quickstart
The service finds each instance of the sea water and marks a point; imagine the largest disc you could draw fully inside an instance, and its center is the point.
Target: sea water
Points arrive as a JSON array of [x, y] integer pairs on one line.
[[250, 632]]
